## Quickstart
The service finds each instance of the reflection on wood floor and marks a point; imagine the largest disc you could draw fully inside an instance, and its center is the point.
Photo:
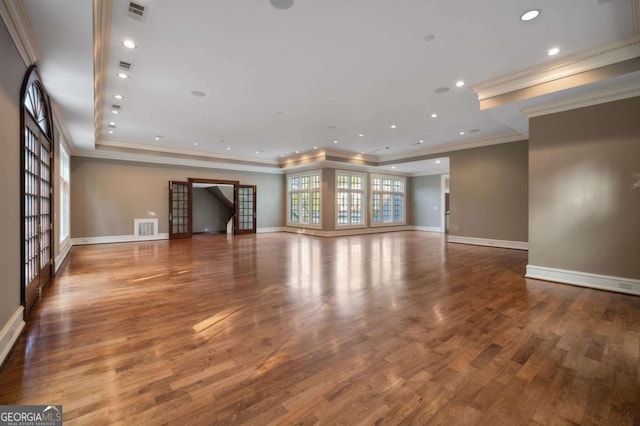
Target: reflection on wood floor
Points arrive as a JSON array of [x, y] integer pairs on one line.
[[288, 329]]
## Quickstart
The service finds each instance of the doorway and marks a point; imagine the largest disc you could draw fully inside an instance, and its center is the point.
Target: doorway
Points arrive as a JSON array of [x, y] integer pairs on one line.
[[213, 208]]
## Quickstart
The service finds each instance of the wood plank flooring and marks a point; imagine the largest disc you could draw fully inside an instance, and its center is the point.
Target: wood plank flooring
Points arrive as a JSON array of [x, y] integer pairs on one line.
[[283, 329]]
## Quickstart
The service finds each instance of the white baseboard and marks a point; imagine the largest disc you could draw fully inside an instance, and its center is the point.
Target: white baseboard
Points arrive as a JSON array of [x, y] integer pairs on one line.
[[10, 333], [116, 239], [585, 279], [427, 229], [65, 249], [347, 232], [271, 229], [517, 245]]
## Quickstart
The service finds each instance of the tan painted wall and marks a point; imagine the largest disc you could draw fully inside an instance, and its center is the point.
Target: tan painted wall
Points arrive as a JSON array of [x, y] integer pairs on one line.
[[489, 192], [585, 189], [12, 71], [426, 208], [107, 195]]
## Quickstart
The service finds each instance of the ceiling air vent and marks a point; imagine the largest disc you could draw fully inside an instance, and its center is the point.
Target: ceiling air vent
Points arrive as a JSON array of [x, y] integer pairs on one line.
[[125, 65], [137, 11], [115, 107]]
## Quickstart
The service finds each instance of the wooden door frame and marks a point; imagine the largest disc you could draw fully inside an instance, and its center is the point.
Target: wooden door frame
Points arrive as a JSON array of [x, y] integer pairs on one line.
[[235, 184], [254, 229]]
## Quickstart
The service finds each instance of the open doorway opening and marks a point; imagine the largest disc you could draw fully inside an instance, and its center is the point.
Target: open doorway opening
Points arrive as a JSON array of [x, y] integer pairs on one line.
[[213, 208]]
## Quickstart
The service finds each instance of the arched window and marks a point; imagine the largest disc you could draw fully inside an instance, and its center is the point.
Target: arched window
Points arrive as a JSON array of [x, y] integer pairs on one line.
[[37, 158]]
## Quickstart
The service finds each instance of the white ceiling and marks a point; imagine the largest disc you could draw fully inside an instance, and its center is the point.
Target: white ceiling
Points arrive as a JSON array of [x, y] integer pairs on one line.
[[279, 81]]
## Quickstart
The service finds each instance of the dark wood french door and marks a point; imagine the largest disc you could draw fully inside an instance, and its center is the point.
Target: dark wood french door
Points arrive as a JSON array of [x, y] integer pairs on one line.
[[179, 210], [37, 212], [246, 209]]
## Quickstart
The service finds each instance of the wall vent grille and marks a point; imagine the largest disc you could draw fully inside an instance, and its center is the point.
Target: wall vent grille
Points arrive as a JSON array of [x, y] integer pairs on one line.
[[125, 66], [145, 227], [137, 11]]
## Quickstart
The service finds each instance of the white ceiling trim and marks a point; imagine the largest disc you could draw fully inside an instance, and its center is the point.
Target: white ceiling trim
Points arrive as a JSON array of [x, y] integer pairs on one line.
[[61, 124], [114, 143], [341, 166], [16, 19], [440, 149], [595, 98], [101, 36], [586, 60], [173, 161]]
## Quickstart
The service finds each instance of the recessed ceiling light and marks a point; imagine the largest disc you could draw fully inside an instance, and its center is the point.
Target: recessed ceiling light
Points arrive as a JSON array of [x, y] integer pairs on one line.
[[335, 141], [393, 167], [123, 75], [421, 141], [553, 51], [459, 83], [110, 132], [195, 144], [297, 152], [112, 124], [437, 161], [129, 44], [429, 37], [434, 115], [315, 147], [198, 94], [530, 15], [157, 138], [118, 97], [228, 148], [361, 135], [282, 4], [462, 133], [393, 126], [115, 111]]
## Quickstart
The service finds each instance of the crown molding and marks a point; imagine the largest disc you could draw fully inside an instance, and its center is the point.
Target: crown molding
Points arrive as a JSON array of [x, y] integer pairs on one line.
[[61, 124], [423, 154], [586, 60], [328, 154], [123, 144], [102, 10], [135, 157], [16, 18], [594, 98]]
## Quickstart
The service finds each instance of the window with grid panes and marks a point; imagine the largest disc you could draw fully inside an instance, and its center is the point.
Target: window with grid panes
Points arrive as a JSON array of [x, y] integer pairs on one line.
[[303, 199], [387, 200], [350, 198]]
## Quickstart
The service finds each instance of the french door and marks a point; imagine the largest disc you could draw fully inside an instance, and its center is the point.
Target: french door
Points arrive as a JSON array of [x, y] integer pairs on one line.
[[179, 210], [246, 209], [37, 212]]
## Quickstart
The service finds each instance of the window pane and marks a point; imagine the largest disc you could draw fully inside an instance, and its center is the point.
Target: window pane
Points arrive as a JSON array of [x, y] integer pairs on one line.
[[294, 208], [386, 185], [397, 208], [387, 202], [343, 181], [315, 182], [398, 186], [305, 182], [356, 182], [375, 184], [295, 183], [315, 207], [343, 208], [377, 213], [356, 208], [304, 207]]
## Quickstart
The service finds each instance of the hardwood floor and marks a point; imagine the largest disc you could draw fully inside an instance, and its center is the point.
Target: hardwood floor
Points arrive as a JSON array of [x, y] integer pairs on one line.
[[396, 328]]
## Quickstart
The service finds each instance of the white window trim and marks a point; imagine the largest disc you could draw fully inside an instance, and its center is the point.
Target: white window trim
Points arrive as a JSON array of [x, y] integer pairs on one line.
[[365, 199], [404, 200], [288, 210], [64, 180]]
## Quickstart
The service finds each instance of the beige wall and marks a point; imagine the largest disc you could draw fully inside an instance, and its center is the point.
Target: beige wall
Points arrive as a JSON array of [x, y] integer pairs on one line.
[[426, 193], [107, 195], [585, 191], [489, 192], [12, 72]]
